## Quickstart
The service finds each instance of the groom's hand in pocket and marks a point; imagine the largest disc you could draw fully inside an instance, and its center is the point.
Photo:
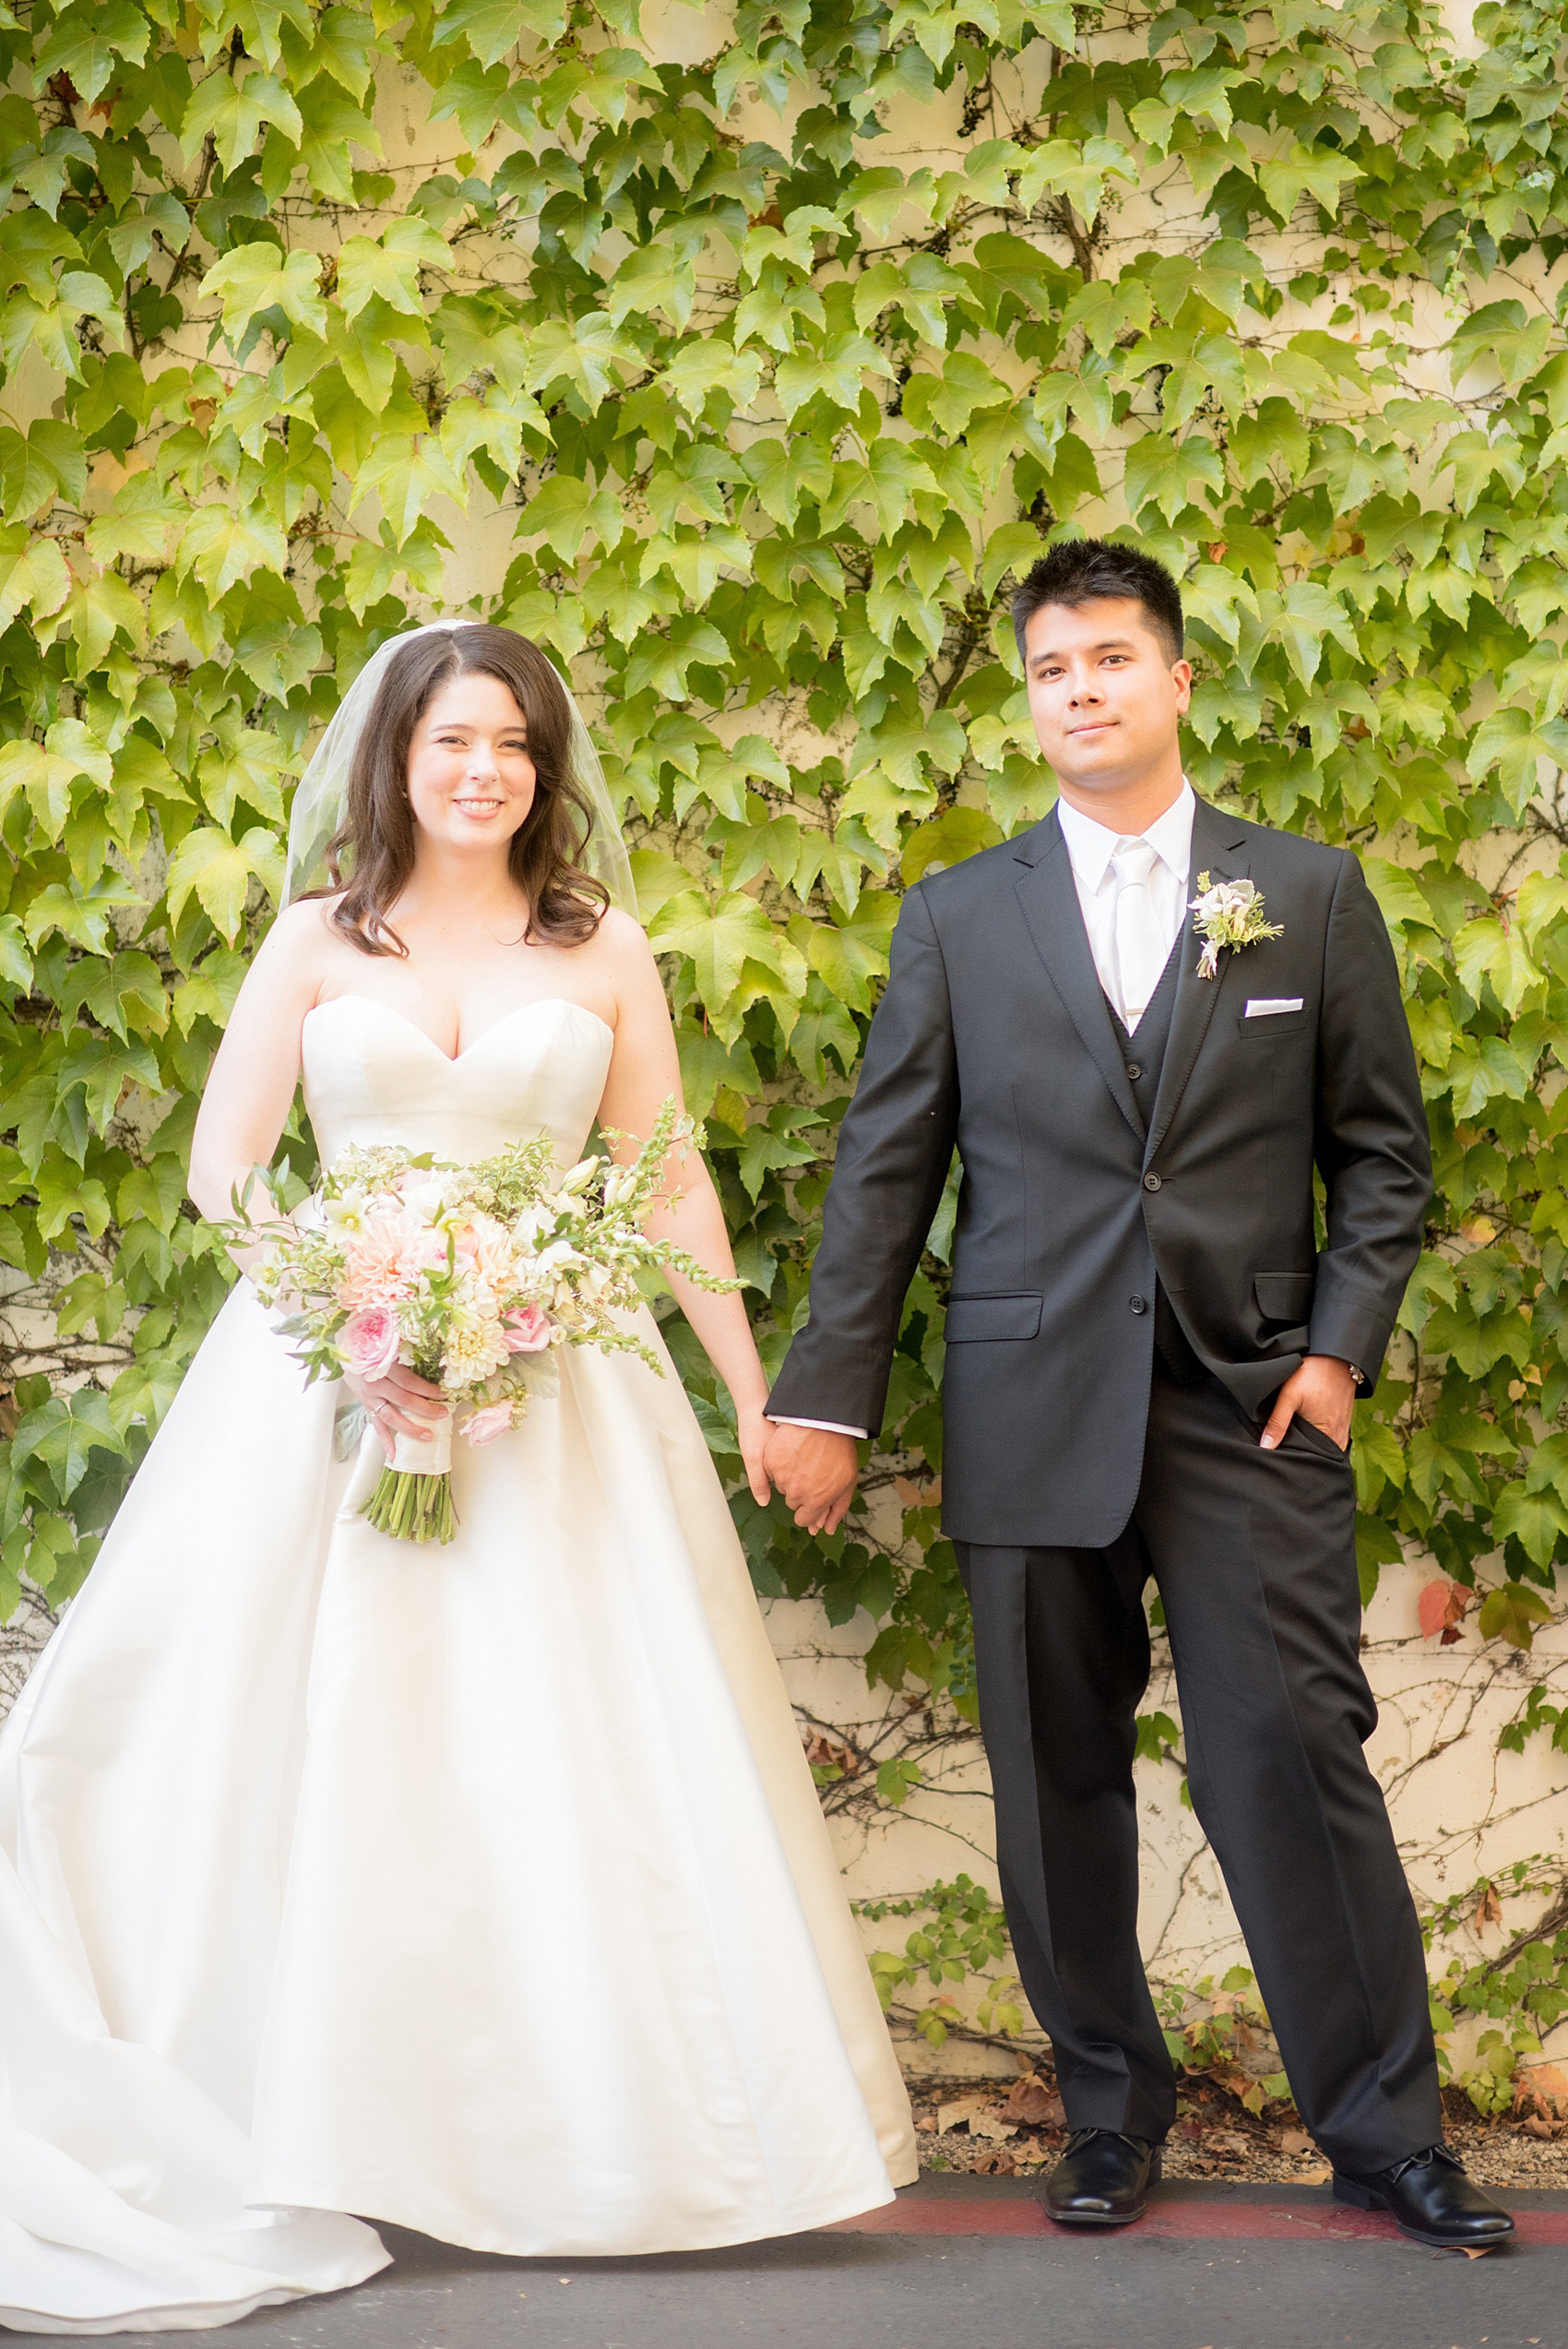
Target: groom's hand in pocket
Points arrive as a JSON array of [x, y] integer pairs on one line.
[[814, 1469], [1323, 1391]]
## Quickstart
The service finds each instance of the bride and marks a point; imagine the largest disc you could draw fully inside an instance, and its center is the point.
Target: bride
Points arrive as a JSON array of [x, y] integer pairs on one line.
[[480, 1889]]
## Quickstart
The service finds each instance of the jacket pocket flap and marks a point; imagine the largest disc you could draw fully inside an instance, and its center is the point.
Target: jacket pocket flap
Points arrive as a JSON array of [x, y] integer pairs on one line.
[[1000, 1316], [1275, 1023], [1284, 1296]]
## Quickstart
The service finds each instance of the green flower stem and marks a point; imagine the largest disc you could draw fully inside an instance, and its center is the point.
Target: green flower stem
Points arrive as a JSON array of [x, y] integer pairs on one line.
[[412, 1507]]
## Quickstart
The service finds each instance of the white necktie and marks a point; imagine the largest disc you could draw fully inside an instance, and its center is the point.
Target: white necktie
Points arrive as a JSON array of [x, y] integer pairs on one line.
[[1140, 956]]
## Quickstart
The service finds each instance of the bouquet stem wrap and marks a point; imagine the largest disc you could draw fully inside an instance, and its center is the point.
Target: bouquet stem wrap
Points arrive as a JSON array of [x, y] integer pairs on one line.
[[412, 1500], [425, 1456]]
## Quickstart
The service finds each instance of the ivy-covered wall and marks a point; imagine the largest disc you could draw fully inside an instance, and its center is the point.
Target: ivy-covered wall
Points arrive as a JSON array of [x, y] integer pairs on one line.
[[744, 359]]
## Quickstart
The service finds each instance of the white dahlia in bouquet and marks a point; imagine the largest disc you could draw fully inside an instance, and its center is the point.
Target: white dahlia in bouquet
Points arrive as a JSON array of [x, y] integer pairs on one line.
[[470, 1276]]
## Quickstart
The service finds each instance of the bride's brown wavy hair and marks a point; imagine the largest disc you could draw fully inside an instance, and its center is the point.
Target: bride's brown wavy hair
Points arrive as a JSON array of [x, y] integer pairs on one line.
[[375, 840]]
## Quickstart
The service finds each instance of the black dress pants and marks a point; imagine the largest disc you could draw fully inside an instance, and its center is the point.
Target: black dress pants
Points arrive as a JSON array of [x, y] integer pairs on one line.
[[1253, 1554]]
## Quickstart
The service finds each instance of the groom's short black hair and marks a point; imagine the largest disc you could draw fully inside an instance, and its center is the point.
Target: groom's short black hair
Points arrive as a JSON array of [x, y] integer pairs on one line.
[[1080, 569]]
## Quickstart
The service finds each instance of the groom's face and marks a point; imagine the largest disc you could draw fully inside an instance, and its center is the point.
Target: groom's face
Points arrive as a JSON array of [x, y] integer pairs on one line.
[[1105, 695]]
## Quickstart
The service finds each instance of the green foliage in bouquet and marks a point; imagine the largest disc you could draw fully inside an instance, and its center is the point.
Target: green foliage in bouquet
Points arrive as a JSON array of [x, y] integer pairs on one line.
[[470, 1275], [581, 1227], [745, 366]]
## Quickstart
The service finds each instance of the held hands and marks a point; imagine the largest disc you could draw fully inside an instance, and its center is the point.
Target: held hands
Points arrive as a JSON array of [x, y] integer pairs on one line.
[[816, 1470], [1323, 1391], [755, 1431]]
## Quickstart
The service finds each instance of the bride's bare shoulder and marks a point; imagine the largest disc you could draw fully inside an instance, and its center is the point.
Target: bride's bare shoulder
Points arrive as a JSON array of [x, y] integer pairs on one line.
[[622, 956], [300, 943], [307, 922], [620, 936]]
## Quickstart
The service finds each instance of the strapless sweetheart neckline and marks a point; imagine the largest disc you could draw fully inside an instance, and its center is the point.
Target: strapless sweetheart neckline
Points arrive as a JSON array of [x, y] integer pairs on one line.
[[455, 1059]]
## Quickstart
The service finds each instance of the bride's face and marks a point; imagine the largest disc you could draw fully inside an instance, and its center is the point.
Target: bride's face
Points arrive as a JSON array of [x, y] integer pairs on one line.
[[471, 780]]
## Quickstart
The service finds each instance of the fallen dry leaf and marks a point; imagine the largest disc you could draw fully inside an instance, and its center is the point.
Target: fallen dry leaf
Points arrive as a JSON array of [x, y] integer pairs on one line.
[[1548, 2084], [1033, 2102], [1227, 2142], [1295, 2140], [978, 2113], [991, 2125]]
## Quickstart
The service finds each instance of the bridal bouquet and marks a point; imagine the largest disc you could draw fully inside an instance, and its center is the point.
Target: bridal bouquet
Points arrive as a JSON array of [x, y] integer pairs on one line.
[[470, 1276]]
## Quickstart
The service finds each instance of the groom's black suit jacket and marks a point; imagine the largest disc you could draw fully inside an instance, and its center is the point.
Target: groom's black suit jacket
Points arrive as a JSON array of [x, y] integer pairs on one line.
[[994, 1035]]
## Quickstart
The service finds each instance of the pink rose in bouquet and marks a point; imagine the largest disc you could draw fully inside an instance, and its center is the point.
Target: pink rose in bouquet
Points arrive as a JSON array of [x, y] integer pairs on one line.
[[370, 1341], [492, 1421], [526, 1328]]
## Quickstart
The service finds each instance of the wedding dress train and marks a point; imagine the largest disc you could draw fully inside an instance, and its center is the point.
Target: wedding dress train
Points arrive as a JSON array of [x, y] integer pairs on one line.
[[480, 1889]]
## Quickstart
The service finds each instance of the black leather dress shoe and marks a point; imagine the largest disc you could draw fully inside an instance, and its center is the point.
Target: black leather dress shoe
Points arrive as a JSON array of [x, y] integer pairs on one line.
[[1102, 2179], [1429, 2198]]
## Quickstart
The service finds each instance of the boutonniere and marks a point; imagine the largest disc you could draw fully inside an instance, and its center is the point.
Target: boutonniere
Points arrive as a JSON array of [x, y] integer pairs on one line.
[[1229, 913]]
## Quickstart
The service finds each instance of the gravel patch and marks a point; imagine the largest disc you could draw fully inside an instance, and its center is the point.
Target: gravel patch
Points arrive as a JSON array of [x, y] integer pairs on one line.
[[994, 2131]]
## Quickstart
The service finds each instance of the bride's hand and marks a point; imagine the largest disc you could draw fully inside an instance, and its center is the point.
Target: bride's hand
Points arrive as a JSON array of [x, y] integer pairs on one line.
[[401, 1404], [753, 1431]]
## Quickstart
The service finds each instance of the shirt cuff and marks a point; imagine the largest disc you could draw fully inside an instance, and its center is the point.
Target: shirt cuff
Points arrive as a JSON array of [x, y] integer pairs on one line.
[[828, 1426]]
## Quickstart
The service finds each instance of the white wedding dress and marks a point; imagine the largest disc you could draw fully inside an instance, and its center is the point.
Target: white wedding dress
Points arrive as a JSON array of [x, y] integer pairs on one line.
[[481, 1889]]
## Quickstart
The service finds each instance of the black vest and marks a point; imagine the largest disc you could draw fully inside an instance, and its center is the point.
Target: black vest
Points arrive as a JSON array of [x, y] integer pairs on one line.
[[1144, 1057]]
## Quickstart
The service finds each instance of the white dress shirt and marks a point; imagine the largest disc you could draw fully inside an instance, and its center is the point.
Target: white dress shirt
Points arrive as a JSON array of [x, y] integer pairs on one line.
[[1092, 845]]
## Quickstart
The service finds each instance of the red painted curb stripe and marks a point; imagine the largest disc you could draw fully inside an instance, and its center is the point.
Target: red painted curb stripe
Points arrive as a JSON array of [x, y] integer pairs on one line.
[[946, 2218], [1205, 2220]]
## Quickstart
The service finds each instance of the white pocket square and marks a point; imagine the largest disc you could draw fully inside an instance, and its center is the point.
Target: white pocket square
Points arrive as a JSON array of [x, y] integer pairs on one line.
[[1263, 1007]]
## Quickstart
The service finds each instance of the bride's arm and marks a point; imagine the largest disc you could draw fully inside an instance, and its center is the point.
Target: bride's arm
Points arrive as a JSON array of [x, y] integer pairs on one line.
[[249, 1093], [644, 1071], [251, 1087]]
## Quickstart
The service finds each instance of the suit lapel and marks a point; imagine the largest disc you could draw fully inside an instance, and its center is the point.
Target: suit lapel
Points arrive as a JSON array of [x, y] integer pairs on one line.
[[1050, 900], [1219, 850]]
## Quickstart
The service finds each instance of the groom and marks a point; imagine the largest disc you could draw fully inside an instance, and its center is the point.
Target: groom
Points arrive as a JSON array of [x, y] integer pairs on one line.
[[1151, 1363]]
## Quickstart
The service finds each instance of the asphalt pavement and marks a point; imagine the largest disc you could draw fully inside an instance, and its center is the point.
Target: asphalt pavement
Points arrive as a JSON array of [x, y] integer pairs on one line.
[[971, 2263]]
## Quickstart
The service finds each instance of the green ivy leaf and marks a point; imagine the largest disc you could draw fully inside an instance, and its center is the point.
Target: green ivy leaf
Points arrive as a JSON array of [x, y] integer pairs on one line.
[[63, 1434], [1515, 1612], [219, 871], [230, 111], [258, 277]]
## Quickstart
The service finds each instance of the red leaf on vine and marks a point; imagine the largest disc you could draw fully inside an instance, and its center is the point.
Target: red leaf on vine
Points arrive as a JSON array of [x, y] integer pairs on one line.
[[1440, 1608]]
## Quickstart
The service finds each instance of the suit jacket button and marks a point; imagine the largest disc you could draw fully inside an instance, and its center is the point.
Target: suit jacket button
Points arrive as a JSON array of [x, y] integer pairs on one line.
[[1138, 1304], [1151, 1182], [1134, 1070]]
